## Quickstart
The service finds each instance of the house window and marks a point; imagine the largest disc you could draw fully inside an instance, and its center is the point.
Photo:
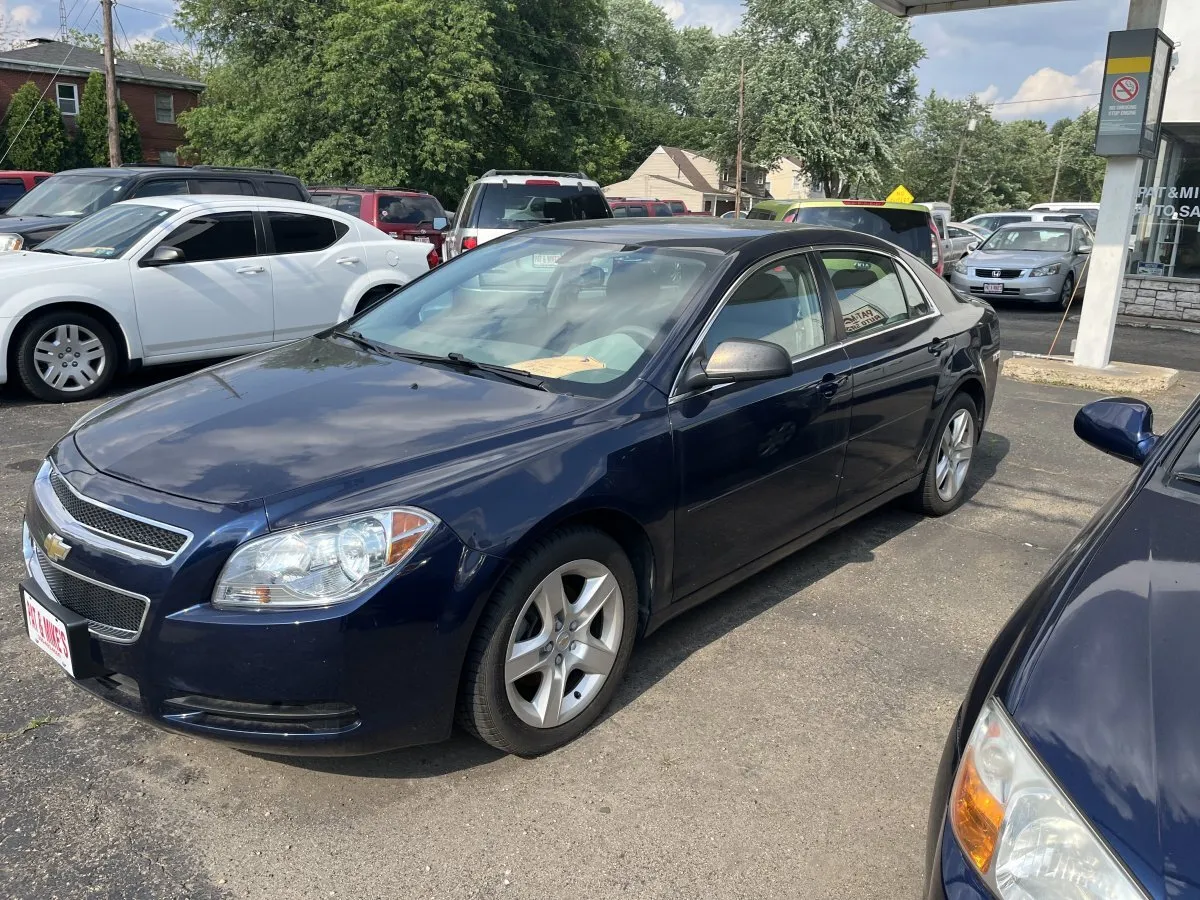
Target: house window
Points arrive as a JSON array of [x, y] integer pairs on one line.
[[164, 109], [68, 99], [167, 158]]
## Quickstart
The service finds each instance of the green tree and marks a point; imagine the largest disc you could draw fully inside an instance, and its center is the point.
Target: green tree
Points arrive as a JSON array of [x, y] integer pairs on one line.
[[1080, 170], [91, 136], [178, 58], [830, 81], [418, 92], [35, 137]]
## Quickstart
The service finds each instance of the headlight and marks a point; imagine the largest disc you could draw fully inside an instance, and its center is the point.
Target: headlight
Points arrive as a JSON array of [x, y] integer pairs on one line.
[[317, 565], [1052, 269], [1019, 829], [11, 242], [959, 267]]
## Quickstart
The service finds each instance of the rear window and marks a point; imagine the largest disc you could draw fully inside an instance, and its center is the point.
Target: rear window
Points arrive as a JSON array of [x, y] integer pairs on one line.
[[397, 209], [678, 207], [760, 214], [629, 212], [907, 228], [523, 206]]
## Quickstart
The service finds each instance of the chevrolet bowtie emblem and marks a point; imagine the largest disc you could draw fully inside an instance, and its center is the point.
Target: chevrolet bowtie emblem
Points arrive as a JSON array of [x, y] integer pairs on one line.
[[56, 548]]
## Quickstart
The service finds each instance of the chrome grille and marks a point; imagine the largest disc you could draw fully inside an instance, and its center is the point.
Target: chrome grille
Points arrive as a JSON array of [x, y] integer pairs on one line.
[[113, 524], [998, 273], [109, 612]]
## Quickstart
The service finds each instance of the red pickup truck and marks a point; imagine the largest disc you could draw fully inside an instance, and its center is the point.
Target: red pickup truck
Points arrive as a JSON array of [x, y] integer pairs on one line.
[[679, 208]]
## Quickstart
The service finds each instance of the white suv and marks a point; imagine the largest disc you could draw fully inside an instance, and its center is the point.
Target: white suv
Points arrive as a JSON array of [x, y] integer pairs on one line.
[[165, 279], [504, 201]]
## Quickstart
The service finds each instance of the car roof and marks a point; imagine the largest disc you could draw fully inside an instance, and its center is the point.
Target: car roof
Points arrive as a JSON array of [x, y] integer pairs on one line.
[[1039, 226], [176, 172], [724, 235], [364, 189], [526, 177], [205, 201], [849, 204], [11, 172]]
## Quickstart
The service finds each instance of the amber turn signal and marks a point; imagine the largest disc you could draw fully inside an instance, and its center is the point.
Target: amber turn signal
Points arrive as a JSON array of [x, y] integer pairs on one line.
[[975, 815]]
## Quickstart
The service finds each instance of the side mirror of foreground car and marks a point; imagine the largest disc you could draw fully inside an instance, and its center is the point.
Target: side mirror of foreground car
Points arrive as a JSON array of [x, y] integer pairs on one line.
[[1120, 426], [738, 360], [162, 256]]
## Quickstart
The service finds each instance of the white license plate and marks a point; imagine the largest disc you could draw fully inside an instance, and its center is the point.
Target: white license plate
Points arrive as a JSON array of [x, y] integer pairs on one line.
[[420, 239], [991, 288], [546, 260], [48, 632]]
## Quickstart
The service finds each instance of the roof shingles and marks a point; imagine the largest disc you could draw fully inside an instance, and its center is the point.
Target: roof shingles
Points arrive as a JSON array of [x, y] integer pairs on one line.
[[71, 59]]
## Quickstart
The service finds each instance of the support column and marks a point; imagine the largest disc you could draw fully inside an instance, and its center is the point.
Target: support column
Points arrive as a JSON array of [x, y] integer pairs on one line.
[[1106, 271]]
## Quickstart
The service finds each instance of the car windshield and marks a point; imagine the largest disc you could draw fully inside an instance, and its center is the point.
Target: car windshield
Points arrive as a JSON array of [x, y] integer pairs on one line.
[[397, 209], [69, 195], [524, 205], [583, 315], [907, 228], [1039, 240], [107, 234]]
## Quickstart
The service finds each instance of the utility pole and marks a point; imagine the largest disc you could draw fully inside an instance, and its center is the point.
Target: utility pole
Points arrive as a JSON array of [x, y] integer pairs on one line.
[[110, 86], [962, 145], [1062, 145], [737, 173]]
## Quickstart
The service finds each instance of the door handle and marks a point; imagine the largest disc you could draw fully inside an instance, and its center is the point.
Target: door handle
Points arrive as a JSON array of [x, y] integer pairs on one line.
[[830, 384], [346, 260], [250, 270], [938, 346]]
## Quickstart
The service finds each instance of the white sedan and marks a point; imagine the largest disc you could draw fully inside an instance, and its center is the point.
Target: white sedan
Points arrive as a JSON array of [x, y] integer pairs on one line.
[[166, 279]]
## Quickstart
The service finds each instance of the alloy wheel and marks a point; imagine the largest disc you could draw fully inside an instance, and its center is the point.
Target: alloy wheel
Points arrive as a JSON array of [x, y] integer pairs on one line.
[[564, 643], [954, 454], [69, 358]]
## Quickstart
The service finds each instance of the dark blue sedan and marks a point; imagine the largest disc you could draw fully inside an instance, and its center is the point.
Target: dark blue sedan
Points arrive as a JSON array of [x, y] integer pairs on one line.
[[472, 499], [1073, 768]]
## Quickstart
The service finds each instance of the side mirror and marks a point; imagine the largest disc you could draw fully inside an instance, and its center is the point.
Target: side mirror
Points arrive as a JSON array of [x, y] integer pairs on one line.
[[440, 223], [973, 246], [1084, 248], [162, 256], [738, 360], [1119, 426]]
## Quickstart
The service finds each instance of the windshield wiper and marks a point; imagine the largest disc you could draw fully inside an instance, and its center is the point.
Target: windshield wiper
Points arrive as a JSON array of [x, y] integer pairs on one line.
[[50, 250], [453, 360], [357, 337]]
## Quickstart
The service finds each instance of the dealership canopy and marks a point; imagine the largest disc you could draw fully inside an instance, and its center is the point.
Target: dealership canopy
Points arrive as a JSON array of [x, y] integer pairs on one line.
[[924, 7]]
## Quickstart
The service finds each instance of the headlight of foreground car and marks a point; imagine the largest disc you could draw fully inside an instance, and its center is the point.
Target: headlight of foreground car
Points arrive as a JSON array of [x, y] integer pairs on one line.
[[317, 565], [1019, 829], [1052, 269], [9, 242], [959, 267]]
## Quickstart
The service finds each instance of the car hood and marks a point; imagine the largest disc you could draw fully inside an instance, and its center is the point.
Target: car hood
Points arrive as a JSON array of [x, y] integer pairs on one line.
[[305, 413], [25, 261], [1003, 259], [25, 224], [1107, 693]]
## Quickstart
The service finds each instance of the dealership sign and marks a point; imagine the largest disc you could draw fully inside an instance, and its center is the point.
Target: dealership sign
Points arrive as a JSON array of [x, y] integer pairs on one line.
[[1135, 82]]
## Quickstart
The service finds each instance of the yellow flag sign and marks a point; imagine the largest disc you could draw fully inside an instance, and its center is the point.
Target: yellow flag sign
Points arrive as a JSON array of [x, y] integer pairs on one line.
[[901, 195]]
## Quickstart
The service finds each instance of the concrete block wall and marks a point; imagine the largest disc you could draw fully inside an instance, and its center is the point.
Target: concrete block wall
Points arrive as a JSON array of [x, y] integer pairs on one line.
[[1161, 298]]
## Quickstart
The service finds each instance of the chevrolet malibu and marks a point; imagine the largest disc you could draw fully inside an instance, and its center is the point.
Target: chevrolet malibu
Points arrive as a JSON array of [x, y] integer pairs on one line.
[[470, 501], [1072, 767]]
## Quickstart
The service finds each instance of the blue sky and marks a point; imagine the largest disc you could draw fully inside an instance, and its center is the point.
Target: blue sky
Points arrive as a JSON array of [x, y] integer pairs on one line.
[[1019, 57]]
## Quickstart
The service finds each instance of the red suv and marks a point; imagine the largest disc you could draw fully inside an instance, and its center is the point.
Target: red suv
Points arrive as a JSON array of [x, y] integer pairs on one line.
[[404, 214], [638, 207]]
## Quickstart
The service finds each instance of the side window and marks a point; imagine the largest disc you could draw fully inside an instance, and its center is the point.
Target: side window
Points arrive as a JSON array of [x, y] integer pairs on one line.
[[868, 290], [917, 304], [11, 189], [222, 186], [988, 223], [300, 233], [161, 187], [216, 236], [778, 303], [38, 179], [284, 190], [792, 215]]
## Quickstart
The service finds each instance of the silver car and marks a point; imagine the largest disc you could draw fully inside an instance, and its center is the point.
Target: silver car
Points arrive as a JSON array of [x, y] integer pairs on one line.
[[1041, 262], [959, 240]]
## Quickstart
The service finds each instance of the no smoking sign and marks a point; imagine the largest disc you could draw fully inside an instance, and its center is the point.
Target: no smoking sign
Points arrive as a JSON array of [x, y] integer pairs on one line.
[[1126, 89]]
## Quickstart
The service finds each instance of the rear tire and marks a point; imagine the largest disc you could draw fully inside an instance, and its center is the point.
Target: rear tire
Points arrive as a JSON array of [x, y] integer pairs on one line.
[[66, 356], [553, 644], [943, 487]]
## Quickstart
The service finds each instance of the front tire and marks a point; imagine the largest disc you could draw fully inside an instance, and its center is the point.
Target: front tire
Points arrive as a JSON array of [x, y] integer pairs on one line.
[[66, 356], [1068, 291], [553, 644], [943, 487]]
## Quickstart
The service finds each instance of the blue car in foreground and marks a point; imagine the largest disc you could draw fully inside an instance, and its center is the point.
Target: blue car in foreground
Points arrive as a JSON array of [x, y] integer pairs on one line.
[[470, 500], [1073, 767]]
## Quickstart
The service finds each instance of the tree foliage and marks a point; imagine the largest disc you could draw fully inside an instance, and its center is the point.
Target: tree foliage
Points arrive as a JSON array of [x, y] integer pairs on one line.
[[178, 58], [1000, 165], [35, 137], [422, 92], [91, 136], [830, 81]]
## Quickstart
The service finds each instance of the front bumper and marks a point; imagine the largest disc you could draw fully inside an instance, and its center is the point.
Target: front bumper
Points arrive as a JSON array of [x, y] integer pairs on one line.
[[373, 674], [1038, 290], [949, 875]]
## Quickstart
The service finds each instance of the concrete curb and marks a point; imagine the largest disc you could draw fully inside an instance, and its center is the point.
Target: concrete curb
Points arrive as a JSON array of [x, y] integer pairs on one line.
[[1159, 324], [1118, 378]]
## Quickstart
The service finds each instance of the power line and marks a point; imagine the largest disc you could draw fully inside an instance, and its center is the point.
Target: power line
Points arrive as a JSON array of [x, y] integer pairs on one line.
[[128, 43], [1044, 99]]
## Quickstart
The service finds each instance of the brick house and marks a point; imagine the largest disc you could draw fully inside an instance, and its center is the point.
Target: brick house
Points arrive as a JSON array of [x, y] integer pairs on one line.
[[154, 96]]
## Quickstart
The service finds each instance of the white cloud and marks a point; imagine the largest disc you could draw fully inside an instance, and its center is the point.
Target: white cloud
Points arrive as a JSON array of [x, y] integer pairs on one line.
[[24, 15], [1049, 94], [673, 8], [722, 16]]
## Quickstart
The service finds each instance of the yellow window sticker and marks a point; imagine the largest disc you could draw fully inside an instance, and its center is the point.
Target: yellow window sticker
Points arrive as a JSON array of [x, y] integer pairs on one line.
[[559, 366]]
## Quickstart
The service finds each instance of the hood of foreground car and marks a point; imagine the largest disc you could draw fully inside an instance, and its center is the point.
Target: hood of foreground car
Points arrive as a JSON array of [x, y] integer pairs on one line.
[[303, 414], [35, 225], [1106, 694], [1002, 259], [33, 261]]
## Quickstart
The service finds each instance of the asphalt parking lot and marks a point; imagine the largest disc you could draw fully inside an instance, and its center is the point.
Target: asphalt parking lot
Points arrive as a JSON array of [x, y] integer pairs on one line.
[[778, 742]]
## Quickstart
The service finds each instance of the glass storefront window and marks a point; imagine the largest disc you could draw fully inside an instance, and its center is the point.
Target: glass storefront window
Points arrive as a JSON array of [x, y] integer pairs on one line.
[[1166, 230]]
